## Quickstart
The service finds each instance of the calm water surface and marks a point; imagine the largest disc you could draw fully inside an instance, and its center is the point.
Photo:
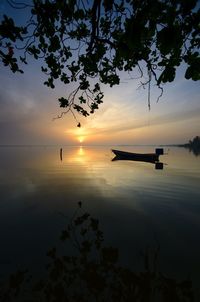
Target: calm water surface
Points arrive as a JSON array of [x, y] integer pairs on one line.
[[136, 204]]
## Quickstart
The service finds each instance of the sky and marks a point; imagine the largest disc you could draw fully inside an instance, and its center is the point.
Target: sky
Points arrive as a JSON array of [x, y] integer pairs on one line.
[[28, 108]]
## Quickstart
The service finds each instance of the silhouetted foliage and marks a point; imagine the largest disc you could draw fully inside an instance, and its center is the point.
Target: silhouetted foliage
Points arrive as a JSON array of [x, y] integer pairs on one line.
[[195, 142], [93, 273], [91, 42], [194, 145]]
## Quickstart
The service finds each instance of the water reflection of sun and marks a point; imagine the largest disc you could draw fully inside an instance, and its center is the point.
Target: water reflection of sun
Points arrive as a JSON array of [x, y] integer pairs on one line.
[[81, 152], [80, 156]]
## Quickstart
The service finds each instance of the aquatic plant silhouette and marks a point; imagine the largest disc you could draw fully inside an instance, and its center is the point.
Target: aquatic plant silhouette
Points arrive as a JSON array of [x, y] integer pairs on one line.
[[93, 273]]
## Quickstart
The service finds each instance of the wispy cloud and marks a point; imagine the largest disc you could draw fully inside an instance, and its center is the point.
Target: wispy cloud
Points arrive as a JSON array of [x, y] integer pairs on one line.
[[169, 118]]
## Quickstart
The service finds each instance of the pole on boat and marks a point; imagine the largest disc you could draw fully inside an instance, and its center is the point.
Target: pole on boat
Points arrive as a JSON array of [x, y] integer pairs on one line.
[[159, 151]]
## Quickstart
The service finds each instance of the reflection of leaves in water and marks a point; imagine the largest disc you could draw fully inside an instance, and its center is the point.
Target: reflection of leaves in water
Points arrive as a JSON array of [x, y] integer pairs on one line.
[[93, 273], [195, 151]]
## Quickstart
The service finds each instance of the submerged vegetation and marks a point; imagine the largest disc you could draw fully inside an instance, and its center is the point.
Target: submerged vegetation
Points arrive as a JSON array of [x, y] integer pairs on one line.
[[93, 273]]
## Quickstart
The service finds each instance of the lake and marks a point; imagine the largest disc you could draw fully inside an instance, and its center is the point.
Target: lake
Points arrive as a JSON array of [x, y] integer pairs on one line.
[[136, 204]]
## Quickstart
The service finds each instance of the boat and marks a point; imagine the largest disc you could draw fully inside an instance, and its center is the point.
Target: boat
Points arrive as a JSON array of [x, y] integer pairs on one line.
[[146, 157]]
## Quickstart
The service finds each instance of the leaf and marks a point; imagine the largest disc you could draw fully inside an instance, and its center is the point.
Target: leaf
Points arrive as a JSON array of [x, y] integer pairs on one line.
[[39, 285], [82, 99], [167, 75], [94, 223], [63, 102], [86, 246], [109, 254], [52, 253], [64, 235]]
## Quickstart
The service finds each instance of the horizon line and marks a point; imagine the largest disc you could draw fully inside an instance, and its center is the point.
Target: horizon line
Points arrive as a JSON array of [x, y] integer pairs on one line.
[[86, 145]]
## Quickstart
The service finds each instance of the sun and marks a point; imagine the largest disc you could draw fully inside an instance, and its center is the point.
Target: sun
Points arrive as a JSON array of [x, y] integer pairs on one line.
[[79, 134], [81, 139]]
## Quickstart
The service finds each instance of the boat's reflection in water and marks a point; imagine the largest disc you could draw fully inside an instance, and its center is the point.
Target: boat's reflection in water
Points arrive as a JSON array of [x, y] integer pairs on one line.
[[152, 158], [158, 165]]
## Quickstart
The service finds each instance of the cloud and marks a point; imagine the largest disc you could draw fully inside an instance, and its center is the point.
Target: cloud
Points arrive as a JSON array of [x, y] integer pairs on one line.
[[169, 118], [18, 115], [14, 106]]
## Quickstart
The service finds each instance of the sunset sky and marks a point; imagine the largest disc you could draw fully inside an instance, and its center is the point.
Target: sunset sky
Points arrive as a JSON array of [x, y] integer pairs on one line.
[[28, 108]]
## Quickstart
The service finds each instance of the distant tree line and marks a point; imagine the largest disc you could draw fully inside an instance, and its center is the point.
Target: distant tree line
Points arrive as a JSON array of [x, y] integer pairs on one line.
[[195, 142], [194, 145]]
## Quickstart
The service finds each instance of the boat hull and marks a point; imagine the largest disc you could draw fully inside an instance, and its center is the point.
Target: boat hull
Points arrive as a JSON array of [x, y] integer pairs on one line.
[[147, 157]]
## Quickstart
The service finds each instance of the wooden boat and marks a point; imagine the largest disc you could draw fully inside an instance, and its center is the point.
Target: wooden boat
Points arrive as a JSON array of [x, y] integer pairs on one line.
[[146, 157]]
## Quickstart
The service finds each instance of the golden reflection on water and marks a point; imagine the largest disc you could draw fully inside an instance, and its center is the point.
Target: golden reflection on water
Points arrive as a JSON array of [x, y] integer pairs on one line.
[[90, 169], [79, 156]]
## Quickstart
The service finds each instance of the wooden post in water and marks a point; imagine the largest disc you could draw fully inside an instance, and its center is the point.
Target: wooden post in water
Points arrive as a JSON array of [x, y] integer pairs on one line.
[[61, 154]]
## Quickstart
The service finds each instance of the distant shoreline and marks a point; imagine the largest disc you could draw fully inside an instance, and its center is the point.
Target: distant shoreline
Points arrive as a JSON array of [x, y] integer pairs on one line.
[[100, 145]]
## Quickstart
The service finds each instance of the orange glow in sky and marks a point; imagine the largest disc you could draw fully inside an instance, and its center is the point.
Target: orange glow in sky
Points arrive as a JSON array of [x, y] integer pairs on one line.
[[81, 139], [124, 118], [80, 134], [29, 110]]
